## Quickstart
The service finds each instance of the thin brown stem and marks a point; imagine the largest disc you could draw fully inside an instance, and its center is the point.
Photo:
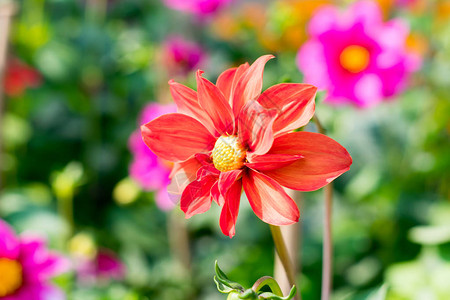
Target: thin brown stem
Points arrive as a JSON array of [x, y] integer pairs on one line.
[[292, 237], [327, 267], [179, 239], [7, 11], [283, 254], [327, 250], [320, 128]]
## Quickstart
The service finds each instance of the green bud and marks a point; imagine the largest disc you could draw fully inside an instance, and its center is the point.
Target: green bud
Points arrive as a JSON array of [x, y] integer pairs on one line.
[[233, 296]]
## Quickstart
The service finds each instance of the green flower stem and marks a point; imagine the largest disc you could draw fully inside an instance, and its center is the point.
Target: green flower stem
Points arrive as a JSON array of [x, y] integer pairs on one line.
[[283, 254], [179, 238], [65, 209], [269, 281], [327, 249]]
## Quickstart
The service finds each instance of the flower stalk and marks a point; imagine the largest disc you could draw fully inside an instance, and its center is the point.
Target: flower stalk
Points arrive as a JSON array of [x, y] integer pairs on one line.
[[327, 248], [292, 236], [327, 264], [283, 254], [7, 10]]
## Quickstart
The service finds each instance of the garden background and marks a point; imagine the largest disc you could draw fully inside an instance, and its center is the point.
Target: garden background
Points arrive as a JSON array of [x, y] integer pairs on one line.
[[79, 73]]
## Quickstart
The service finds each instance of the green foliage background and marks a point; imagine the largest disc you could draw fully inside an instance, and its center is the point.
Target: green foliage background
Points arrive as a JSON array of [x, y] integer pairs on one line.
[[100, 67]]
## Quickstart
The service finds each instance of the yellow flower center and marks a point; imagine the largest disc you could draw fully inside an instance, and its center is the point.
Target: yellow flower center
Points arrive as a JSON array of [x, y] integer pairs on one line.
[[10, 276], [354, 58], [228, 153]]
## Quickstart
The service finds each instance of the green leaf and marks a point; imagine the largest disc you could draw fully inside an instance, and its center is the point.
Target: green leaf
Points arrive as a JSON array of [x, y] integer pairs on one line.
[[269, 281], [380, 294], [248, 294], [225, 289], [219, 273], [271, 296], [225, 282]]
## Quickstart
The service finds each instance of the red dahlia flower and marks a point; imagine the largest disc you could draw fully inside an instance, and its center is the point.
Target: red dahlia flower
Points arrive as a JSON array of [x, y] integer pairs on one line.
[[229, 135]]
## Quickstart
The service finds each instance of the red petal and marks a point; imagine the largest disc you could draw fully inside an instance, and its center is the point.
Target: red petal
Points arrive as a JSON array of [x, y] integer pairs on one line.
[[323, 160], [255, 127], [196, 198], [239, 71], [215, 194], [250, 84], [214, 104], [268, 200], [228, 79], [182, 175], [294, 103], [271, 161], [230, 209], [226, 179], [187, 103], [225, 82], [176, 137]]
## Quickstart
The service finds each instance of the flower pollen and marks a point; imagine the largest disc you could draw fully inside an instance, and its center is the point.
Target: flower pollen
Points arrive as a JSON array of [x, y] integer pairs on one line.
[[228, 154], [354, 58], [10, 276]]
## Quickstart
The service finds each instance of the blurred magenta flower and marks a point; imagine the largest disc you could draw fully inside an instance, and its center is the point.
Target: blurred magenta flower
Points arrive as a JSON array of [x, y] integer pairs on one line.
[[102, 268], [355, 56], [151, 172], [26, 266], [201, 8], [230, 136], [19, 77], [181, 56]]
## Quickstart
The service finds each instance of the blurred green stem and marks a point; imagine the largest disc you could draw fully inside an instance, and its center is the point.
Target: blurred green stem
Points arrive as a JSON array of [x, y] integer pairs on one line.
[[179, 238], [283, 254], [65, 209], [270, 282], [327, 250]]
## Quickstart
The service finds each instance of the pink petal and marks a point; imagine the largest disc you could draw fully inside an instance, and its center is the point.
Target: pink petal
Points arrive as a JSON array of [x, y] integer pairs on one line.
[[250, 84], [163, 200], [294, 103], [176, 137], [255, 127], [37, 291], [186, 100], [109, 266], [268, 200], [9, 243], [323, 160], [271, 161], [38, 262], [230, 210], [196, 198], [215, 105]]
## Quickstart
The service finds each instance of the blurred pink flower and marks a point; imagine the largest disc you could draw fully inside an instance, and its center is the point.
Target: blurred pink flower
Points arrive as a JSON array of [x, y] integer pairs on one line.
[[105, 266], [198, 7], [181, 56], [355, 56], [151, 172], [26, 266]]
